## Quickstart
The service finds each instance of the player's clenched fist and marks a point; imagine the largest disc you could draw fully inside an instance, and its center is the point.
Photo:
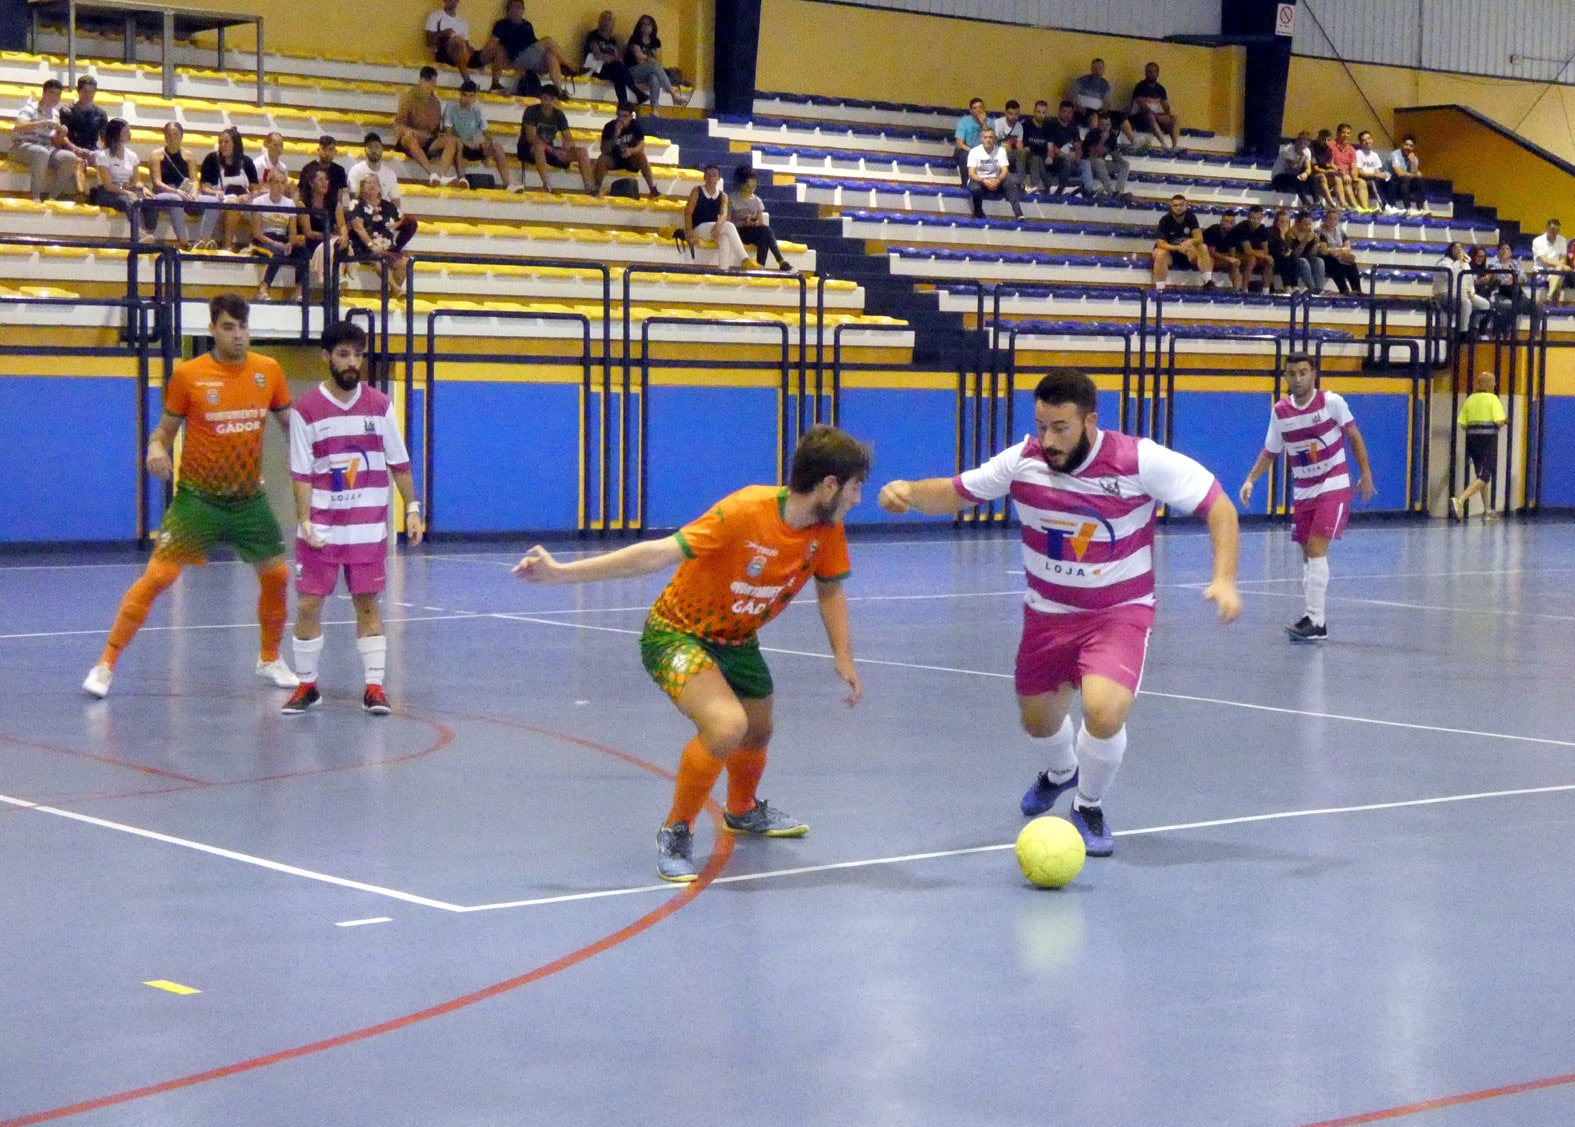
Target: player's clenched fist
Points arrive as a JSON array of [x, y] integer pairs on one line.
[[896, 496], [538, 566]]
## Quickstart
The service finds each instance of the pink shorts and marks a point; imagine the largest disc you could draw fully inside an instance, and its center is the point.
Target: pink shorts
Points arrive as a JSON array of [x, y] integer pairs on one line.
[[1062, 649], [1324, 517], [317, 576]]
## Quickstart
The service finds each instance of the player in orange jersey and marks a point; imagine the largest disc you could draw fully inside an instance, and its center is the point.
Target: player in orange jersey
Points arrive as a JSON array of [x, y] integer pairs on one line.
[[223, 400], [738, 566]]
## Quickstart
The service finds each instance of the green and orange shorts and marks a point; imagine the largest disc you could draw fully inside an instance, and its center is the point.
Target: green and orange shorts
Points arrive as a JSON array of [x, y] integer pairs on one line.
[[673, 658]]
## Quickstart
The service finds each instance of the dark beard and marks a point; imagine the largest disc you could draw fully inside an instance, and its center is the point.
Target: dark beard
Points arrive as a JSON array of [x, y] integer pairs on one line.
[[1079, 453], [345, 381]]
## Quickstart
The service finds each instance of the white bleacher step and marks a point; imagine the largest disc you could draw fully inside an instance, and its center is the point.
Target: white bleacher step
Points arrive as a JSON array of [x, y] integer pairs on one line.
[[1122, 304], [1399, 353], [831, 136]]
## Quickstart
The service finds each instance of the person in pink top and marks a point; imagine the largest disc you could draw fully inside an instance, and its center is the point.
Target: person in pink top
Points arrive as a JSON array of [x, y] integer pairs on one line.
[[345, 447], [1312, 428], [1350, 191], [1087, 500]]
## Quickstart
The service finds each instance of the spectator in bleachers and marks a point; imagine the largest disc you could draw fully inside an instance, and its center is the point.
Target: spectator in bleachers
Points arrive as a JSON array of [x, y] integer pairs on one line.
[[1151, 110], [990, 176], [1103, 169], [1342, 156], [41, 146], [1472, 310], [418, 129], [604, 58], [1282, 250], [85, 121], [1406, 168], [1009, 134], [1372, 175], [116, 170], [1548, 252], [514, 43], [448, 35], [326, 160], [1090, 94], [545, 142], [706, 217], [1224, 251], [1512, 295], [172, 181], [1293, 170], [1180, 235], [623, 150], [749, 216], [272, 157], [324, 222], [375, 227], [371, 165], [965, 138], [466, 124], [1339, 257], [1065, 149], [1036, 147], [227, 175], [1482, 276], [1252, 243], [1307, 247], [276, 236], [642, 55]]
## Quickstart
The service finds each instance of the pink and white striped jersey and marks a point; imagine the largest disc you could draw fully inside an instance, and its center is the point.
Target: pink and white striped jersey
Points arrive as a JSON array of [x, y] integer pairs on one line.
[[345, 451], [1312, 438], [1088, 535]]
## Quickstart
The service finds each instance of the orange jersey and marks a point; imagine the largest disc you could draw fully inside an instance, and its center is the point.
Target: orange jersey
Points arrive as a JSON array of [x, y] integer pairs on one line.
[[744, 563], [225, 408]]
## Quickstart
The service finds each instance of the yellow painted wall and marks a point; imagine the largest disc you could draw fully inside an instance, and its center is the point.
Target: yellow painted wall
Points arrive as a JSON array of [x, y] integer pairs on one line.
[[1323, 92], [1521, 185], [395, 34], [844, 51]]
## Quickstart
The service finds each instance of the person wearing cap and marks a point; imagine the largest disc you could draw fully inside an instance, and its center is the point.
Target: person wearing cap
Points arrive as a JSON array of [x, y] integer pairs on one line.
[[466, 123]]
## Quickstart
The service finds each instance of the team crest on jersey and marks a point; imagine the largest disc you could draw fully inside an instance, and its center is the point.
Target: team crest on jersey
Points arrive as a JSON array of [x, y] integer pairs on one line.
[[259, 379], [369, 426], [814, 546], [756, 566], [213, 397], [1109, 485]]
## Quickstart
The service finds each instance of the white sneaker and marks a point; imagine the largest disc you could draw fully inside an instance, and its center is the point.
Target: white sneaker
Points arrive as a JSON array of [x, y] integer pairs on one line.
[[98, 679], [275, 671]]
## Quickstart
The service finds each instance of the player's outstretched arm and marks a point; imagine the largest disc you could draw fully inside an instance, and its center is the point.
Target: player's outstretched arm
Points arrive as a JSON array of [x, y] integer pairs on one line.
[[1259, 468], [1364, 484], [1225, 532], [833, 602], [538, 566], [933, 496]]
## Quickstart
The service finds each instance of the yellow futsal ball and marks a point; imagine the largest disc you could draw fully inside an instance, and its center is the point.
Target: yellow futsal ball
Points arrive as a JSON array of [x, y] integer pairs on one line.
[[1050, 851]]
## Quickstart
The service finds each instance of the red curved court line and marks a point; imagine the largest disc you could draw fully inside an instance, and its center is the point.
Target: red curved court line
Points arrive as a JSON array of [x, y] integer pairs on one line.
[[1440, 1103], [113, 761], [718, 860]]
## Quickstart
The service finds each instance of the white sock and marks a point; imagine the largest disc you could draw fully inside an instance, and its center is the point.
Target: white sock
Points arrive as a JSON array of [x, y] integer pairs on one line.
[[1315, 581], [1062, 756], [374, 652], [307, 651], [1097, 763]]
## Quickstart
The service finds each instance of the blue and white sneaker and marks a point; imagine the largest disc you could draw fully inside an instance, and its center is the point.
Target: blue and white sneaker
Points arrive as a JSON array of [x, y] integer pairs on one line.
[[1043, 794], [764, 821], [674, 844], [1090, 822]]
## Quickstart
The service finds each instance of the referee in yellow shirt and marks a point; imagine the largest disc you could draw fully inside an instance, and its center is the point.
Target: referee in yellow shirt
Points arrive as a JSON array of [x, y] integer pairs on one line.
[[1481, 415]]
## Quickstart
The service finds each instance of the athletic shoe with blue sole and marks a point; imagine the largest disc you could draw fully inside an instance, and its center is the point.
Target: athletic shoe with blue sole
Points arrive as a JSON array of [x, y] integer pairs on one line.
[[1043, 794], [1090, 822]]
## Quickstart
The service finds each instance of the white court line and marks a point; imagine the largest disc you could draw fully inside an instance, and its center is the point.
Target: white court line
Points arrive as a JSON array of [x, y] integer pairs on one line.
[[230, 854], [360, 923], [1496, 612], [234, 626]]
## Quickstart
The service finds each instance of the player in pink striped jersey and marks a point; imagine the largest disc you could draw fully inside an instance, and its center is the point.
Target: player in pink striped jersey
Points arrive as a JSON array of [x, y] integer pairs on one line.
[[1086, 498], [345, 447], [1312, 428]]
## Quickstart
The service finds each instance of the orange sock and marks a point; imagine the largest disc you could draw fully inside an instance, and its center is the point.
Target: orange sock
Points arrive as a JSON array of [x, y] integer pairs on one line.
[[136, 604], [744, 768], [273, 606], [697, 773]]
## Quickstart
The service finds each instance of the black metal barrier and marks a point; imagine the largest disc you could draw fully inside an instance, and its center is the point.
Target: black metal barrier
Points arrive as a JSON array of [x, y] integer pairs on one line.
[[429, 416], [838, 367], [784, 391]]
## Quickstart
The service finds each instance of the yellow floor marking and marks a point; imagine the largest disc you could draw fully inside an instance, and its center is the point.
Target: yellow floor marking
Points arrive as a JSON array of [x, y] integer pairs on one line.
[[172, 987]]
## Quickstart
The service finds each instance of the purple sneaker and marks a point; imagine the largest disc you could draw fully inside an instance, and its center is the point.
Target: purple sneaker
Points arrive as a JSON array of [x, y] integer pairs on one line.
[[1042, 795], [1090, 822]]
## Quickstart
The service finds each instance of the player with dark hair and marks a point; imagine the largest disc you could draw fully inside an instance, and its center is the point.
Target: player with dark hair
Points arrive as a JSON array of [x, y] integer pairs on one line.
[[1312, 428], [1087, 499], [739, 565], [345, 446], [222, 399]]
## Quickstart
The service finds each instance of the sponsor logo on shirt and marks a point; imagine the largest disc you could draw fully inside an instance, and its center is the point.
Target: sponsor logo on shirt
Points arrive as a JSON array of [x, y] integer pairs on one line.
[[1069, 539], [343, 469], [259, 379], [753, 547]]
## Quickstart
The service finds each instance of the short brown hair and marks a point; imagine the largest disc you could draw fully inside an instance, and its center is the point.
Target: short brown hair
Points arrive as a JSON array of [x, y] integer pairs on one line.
[[824, 452], [233, 304]]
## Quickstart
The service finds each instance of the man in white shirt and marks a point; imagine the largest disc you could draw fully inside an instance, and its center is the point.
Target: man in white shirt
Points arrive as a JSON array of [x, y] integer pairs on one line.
[[272, 158], [448, 35], [42, 147], [1369, 168], [1548, 251], [1009, 135], [990, 176]]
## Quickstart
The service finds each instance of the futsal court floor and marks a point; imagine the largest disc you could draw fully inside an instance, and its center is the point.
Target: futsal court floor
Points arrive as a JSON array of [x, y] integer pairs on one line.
[[1342, 890]]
